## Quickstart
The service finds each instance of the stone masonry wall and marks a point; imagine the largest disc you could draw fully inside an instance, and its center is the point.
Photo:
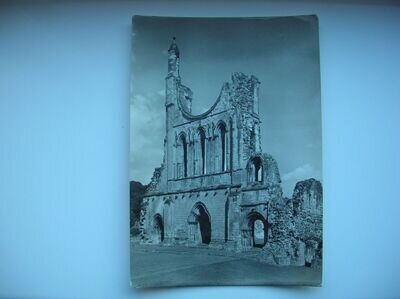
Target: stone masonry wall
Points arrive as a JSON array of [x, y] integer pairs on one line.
[[175, 210], [307, 212], [296, 226]]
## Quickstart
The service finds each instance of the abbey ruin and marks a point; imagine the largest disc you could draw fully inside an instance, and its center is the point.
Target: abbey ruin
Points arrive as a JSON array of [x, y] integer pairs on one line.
[[217, 188]]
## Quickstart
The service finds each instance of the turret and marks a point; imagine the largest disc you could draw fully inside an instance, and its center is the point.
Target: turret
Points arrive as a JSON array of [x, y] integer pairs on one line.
[[173, 79], [173, 59], [172, 93]]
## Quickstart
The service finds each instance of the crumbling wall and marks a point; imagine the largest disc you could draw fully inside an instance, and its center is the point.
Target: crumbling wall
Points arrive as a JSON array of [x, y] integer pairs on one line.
[[296, 227], [271, 172], [307, 212], [185, 97], [144, 232], [137, 192], [156, 179], [280, 248], [244, 90]]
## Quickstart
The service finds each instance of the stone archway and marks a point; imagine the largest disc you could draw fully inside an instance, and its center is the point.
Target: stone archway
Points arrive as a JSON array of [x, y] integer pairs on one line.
[[258, 228], [158, 228], [255, 172], [199, 221]]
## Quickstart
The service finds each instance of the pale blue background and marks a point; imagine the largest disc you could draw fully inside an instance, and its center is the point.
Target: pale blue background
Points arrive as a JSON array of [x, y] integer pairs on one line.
[[64, 111]]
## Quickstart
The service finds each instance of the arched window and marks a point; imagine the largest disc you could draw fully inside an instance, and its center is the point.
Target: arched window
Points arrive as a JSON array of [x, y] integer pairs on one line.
[[202, 135], [255, 170], [222, 132], [182, 139]]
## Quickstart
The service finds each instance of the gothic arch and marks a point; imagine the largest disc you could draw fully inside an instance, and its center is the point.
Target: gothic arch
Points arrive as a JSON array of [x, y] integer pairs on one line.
[[181, 135], [267, 172], [158, 228], [199, 222], [255, 169], [183, 155], [223, 144], [258, 227], [223, 123], [203, 149]]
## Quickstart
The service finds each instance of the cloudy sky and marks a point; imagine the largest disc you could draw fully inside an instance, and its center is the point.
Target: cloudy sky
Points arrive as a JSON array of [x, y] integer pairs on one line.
[[282, 52]]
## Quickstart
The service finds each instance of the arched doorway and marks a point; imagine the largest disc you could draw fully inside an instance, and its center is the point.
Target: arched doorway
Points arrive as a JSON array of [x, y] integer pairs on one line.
[[258, 227], [158, 226], [199, 224]]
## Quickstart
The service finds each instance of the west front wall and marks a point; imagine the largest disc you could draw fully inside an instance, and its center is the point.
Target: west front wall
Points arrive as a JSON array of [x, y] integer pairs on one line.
[[230, 211]]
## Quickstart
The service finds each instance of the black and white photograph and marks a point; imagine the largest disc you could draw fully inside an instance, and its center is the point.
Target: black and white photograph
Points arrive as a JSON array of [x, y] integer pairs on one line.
[[225, 152], [216, 149]]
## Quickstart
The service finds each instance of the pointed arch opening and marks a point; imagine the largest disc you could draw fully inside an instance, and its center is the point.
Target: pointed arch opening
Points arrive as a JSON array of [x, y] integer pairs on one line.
[[258, 227], [158, 227], [255, 170], [203, 148], [199, 221], [184, 161], [223, 145]]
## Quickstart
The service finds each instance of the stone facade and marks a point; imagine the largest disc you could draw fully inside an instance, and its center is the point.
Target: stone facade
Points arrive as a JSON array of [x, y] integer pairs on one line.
[[217, 188]]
